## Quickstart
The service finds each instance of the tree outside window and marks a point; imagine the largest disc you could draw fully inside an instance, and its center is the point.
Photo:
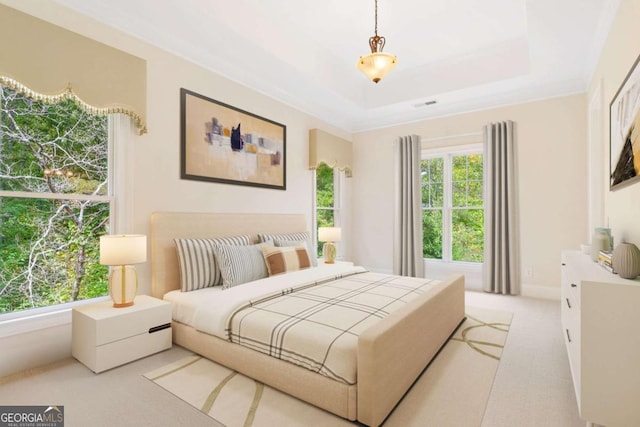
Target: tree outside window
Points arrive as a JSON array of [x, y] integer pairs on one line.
[[327, 199], [54, 202], [453, 207]]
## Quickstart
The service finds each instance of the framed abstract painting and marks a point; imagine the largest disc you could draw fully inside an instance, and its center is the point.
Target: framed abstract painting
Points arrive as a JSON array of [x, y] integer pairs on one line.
[[224, 144], [624, 131]]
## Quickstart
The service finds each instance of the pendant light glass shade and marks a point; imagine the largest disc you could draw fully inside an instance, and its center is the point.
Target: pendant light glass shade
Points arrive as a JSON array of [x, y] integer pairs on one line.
[[377, 65]]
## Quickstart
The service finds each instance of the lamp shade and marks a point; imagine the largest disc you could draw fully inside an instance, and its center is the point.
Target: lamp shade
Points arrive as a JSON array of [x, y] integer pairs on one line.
[[123, 249], [376, 65], [329, 234]]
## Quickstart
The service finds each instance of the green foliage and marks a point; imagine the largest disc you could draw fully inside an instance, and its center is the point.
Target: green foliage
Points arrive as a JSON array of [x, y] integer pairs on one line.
[[324, 199], [49, 246], [467, 215]]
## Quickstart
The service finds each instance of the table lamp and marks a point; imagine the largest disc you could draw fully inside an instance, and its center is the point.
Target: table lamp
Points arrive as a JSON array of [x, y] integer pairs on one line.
[[329, 235], [119, 251]]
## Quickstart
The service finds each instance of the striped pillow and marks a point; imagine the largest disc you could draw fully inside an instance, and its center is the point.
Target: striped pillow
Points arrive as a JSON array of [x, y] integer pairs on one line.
[[287, 239], [240, 264], [284, 259], [198, 268]]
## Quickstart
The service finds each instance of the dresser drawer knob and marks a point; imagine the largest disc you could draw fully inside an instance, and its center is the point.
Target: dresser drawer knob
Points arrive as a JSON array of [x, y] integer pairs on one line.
[[573, 285], [568, 336], [568, 303]]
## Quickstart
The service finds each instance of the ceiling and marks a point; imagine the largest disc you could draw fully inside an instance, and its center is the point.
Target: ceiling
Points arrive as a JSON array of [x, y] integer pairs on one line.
[[464, 54]]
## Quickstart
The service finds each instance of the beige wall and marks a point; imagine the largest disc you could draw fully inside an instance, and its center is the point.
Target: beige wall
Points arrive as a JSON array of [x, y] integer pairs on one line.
[[156, 183], [622, 207], [551, 156]]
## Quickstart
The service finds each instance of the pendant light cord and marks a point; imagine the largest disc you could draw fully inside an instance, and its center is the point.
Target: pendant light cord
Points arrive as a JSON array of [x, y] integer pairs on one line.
[[376, 28]]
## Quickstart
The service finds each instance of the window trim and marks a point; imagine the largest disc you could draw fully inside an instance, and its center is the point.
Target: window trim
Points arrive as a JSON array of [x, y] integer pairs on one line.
[[121, 134], [447, 153], [339, 182]]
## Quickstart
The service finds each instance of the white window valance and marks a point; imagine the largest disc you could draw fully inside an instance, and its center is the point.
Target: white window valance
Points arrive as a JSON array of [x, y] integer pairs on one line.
[[330, 150]]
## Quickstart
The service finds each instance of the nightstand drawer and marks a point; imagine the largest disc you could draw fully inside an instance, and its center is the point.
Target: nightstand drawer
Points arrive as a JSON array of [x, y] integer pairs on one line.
[[127, 350], [101, 323]]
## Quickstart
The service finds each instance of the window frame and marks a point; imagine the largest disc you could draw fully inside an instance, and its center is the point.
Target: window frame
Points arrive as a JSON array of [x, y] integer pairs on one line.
[[339, 182], [447, 153], [120, 132]]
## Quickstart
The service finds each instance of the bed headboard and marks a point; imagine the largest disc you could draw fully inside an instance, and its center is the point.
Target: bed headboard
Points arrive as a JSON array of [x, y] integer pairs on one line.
[[166, 226]]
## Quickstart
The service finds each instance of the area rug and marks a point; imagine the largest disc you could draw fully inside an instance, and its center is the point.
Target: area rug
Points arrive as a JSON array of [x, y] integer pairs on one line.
[[452, 391]]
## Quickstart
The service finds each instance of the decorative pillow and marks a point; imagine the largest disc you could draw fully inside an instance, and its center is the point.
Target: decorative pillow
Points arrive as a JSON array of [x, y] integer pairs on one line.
[[294, 239], [198, 268], [284, 259], [241, 264]]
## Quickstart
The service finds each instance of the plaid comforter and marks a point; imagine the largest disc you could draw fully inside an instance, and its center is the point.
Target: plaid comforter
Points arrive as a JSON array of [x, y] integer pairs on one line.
[[316, 325]]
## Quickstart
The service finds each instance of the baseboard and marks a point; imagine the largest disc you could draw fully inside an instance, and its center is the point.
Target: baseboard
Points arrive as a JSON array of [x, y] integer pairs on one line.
[[542, 292]]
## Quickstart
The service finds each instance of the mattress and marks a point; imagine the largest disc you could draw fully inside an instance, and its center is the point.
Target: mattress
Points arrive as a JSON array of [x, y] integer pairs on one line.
[[208, 310], [311, 318]]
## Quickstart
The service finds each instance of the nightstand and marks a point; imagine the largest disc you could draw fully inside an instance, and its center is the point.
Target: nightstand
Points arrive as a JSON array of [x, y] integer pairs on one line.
[[321, 262], [105, 337]]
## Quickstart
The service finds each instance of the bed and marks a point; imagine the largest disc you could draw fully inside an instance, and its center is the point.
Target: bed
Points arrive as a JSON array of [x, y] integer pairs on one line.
[[391, 353]]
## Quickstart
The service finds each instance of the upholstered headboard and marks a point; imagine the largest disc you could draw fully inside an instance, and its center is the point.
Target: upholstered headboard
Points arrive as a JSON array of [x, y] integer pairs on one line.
[[166, 226]]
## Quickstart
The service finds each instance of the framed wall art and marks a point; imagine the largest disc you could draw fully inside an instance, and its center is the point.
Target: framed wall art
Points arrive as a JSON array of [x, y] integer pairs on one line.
[[624, 131], [221, 143]]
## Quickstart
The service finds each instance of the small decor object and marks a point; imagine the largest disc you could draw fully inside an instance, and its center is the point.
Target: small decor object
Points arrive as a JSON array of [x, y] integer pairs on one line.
[[626, 260], [221, 143], [601, 241], [329, 235], [119, 252], [624, 128], [377, 64]]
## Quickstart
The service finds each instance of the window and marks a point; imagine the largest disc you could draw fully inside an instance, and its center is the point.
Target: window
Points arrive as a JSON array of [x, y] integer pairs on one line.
[[452, 205], [55, 200], [328, 200]]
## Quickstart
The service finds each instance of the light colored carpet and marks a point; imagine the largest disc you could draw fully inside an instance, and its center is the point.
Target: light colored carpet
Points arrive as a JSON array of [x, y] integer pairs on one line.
[[453, 391]]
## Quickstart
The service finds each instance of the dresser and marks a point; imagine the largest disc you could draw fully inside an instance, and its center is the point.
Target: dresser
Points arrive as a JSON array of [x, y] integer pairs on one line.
[[601, 324], [104, 337]]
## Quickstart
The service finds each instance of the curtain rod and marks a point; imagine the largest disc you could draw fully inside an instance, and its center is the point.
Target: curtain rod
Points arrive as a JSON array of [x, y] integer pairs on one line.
[[442, 138]]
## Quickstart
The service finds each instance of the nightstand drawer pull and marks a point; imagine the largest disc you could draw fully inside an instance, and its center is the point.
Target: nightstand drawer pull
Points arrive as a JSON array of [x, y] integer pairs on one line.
[[568, 336], [568, 303], [159, 328]]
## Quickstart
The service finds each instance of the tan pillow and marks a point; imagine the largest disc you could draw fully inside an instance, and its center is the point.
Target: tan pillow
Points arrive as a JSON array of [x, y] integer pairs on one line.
[[283, 259]]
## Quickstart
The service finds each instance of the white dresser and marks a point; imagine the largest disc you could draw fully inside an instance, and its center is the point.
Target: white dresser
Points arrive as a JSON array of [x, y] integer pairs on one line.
[[601, 323], [104, 337]]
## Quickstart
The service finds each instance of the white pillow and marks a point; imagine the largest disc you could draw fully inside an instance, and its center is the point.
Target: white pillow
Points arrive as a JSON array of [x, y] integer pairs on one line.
[[241, 264], [198, 267]]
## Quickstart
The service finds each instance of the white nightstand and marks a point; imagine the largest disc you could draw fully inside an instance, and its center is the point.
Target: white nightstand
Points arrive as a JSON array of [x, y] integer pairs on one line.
[[105, 337]]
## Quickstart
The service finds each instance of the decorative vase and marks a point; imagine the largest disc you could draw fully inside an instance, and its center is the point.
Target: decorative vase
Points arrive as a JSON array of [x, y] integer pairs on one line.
[[626, 260], [601, 241]]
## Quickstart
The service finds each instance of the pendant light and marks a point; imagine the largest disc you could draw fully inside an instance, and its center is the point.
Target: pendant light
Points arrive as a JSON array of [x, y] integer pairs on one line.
[[377, 64]]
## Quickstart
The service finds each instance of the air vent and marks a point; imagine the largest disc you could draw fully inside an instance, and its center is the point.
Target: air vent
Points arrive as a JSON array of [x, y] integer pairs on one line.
[[424, 104]]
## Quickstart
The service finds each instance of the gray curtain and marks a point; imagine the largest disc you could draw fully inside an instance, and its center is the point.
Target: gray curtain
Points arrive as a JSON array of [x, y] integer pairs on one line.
[[407, 245], [501, 269]]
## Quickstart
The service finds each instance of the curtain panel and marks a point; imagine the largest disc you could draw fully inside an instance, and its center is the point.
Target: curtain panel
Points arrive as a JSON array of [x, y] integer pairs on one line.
[[407, 245], [501, 249]]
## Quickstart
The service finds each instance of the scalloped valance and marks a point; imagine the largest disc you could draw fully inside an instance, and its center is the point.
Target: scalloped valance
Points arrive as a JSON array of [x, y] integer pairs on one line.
[[330, 150], [69, 94], [42, 59]]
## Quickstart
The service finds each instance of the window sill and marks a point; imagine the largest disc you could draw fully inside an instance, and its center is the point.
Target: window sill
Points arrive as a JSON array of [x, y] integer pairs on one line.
[[38, 319]]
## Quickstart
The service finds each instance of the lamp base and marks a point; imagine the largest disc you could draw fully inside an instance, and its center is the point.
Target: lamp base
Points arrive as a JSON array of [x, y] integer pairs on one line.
[[329, 253], [123, 285]]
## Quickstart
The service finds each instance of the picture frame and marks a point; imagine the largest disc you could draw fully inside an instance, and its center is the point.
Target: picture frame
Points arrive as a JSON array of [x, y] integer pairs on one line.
[[624, 131], [224, 144]]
